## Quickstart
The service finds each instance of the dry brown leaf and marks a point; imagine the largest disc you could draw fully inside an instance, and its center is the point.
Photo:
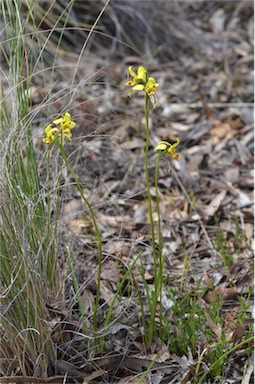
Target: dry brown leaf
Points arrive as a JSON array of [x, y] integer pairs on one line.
[[88, 300], [115, 221], [224, 294], [92, 376], [214, 205], [71, 209], [148, 277], [232, 174], [220, 129], [78, 226], [235, 124], [106, 294], [110, 271], [215, 328], [140, 346], [194, 163], [236, 334], [186, 376], [140, 213], [160, 348], [181, 127]]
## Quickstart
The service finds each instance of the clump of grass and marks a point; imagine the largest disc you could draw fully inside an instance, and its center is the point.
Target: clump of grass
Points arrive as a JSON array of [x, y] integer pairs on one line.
[[28, 240]]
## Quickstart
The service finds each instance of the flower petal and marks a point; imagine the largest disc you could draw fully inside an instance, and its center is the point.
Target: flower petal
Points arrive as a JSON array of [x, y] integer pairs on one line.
[[176, 155], [132, 73], [138, 87], [177, 143], [142, 74], [68, 133], [48, 129], [67, 118], [58, 121], [46, 140], [171, 150], [130, 83], [160, 147], [151, 86], [52, 132]]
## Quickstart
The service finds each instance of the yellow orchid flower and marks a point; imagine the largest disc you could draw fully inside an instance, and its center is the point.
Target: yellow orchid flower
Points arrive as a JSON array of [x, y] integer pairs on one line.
[[141, 73], [151, 86], [51, 134], [65, 124], [140, 82], [68, 134], [138, 77], [166, 147]]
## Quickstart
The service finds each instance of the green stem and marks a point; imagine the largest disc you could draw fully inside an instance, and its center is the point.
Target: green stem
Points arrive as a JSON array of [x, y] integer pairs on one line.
[[151, 330], [141, 380], [98, 236], [160, 246]]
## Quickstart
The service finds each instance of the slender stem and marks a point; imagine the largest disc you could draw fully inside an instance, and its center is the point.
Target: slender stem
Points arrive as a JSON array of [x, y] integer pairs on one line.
[[147, 110], [98, 236], [160, 245], [151, 330], [141, 380]]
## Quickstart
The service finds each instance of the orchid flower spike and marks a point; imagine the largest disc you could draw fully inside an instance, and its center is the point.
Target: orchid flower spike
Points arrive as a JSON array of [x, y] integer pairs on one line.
[[166, 147], [141, 82], [59, 128]]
